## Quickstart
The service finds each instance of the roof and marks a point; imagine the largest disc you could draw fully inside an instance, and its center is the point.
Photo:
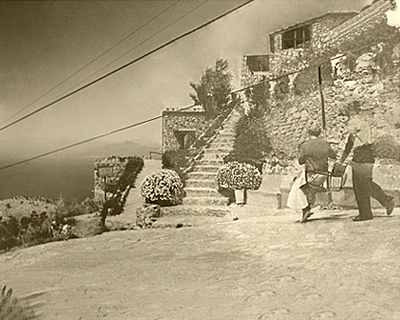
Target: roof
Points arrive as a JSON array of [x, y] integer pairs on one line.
[[350, 14]]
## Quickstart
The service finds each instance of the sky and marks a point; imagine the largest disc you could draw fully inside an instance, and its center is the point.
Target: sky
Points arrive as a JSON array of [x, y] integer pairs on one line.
[[43, 43]]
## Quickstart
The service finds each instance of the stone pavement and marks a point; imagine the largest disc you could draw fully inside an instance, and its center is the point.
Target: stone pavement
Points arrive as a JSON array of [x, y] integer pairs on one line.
[[252, 263]]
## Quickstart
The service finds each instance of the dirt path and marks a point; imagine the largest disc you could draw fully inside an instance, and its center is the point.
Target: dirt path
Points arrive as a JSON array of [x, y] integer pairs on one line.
[[261, 266]]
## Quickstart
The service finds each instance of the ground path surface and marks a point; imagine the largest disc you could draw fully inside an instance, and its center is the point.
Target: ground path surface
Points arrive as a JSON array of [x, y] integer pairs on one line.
[[250, 264], [253, 263]]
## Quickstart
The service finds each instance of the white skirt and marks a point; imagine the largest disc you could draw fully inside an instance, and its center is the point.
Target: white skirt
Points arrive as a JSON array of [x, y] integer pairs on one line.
[[297, 199]]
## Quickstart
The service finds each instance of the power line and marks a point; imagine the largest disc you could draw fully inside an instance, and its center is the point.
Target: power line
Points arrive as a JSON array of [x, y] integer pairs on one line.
[[150, 119], [92, 61], [88, 140], [139, 44], [125, 65]]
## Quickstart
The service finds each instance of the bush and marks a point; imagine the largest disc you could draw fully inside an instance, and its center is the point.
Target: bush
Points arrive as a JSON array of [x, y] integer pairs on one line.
[[163, 187], [9, 233], [252, 142], [386, 147], [76, 206], [12, 308], [175, 160], [238, 175]]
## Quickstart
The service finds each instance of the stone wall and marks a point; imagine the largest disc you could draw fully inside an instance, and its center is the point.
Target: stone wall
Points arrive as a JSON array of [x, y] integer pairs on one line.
[[289, 60], [117, 167], [377, 98], [176, 120], [330, 35], [363, 22]]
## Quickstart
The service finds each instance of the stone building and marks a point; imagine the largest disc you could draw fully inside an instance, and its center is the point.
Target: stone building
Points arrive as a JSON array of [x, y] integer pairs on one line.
[[180, 128]]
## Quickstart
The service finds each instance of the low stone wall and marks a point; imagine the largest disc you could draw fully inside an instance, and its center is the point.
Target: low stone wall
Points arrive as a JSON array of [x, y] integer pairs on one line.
[[108, 171], [276, 187]]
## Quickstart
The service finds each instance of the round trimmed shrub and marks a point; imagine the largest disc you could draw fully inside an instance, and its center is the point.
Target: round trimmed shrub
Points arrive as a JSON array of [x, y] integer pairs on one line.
[[163, 187], [239, 175]]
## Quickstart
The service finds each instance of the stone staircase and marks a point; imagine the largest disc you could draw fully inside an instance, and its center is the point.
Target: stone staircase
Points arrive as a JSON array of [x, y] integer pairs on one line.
[[201, 186]]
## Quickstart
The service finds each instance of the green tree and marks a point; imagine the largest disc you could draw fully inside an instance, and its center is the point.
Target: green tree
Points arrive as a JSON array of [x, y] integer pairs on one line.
[[252, 142], [259, 98], [212, 92]]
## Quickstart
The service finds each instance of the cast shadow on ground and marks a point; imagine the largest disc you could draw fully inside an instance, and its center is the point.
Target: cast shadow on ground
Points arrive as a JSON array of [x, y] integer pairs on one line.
[[343, 216]]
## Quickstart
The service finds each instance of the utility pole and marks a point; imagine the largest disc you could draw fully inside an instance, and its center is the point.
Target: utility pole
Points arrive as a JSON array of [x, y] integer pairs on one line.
[[324, 126]]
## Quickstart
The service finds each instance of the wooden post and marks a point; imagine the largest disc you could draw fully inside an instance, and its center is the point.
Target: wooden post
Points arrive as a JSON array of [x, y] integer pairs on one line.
[[324, 125], [322, 102]]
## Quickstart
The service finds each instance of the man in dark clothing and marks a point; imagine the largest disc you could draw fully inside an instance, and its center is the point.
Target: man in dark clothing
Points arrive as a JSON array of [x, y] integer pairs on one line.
[[314, 154], [362, 164]]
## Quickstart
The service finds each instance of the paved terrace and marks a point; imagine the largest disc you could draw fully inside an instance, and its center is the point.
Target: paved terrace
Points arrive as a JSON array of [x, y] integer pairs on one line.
[[253, 263]]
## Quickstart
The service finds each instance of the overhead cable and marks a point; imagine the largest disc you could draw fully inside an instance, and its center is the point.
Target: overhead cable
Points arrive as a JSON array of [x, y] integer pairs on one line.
[[86, 141], [139, 44], [150, 119], [90, 62], [125, 65]]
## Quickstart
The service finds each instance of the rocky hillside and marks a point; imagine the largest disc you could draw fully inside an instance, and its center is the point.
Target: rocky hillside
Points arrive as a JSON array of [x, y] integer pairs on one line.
[[375, 97]]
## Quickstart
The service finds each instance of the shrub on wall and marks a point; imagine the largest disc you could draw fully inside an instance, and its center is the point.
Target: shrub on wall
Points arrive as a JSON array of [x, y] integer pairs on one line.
[[163, 187], [252, 142], [175, 160]]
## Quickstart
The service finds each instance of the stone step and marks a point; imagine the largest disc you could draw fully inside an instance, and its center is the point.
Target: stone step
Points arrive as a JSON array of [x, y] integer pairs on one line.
[[218, 144], [217, 150], [203, 192], [205, 168], [205, 201], [214, 156], [224, 140], [215, 162], [205, 183], [195, 175]]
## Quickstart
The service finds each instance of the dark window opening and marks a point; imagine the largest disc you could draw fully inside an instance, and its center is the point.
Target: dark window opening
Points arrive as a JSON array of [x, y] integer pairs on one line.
[[258, 63], [185, 137], [297, 38]]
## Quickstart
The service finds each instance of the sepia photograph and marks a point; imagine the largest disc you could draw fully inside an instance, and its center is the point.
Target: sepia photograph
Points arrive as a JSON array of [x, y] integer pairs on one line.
[[200, 160]]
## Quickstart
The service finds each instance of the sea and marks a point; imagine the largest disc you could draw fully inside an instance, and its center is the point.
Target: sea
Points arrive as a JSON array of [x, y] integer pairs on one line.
[[50, 177]]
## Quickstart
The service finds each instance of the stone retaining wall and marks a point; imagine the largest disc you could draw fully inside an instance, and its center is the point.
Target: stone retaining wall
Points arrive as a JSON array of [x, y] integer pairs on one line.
[[117, 167]]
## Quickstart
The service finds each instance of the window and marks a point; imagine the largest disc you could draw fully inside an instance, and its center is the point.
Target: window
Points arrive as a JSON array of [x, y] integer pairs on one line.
[[185, 137], [258, 63], [297, 38]]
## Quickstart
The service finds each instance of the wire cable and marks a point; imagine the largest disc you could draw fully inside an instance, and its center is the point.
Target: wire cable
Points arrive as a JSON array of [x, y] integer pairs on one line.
[[90, 62], [139, 44], [151, 119], [125, 65], [102, 135]]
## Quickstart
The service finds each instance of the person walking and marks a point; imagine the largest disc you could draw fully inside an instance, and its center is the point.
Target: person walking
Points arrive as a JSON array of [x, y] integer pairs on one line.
[[313, 154], [360, 142]]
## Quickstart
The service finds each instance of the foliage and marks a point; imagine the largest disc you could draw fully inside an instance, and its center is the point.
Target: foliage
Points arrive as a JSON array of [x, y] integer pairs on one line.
[[127, 176], [9, 233], [75, 206], [379, 40], [12, 309], [34, 229], [258, 97], [252, 142], [163, 187], [212, 92], [120, 186], [386, 147], [176, 160], [238, 175]]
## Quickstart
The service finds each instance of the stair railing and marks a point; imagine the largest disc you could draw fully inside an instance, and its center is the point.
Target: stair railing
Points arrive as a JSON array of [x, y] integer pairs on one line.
[[195, 150]]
